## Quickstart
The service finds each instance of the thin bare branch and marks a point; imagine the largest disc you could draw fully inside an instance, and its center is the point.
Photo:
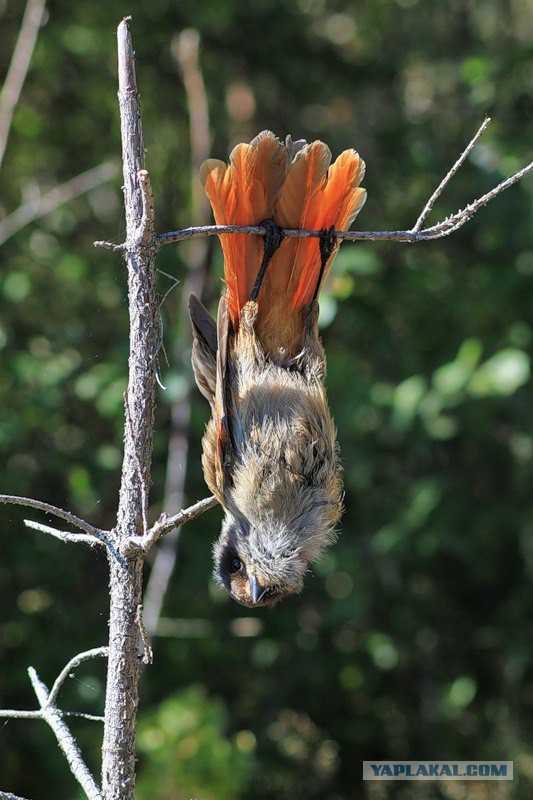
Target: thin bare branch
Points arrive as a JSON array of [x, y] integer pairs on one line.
[[186, 50], [15, 713], [444, 228], [457, 220], [64, 536], [83, 715], [9, 713], [213, 230], [89, 529], [56, 197], [175, 282], [96, 652], [166, 524], [9, 796], [18, 68], [116, 248], [54, 717], [426, 211]]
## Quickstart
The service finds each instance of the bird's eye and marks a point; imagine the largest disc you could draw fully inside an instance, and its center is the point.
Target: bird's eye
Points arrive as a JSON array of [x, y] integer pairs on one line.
[[236, 565]]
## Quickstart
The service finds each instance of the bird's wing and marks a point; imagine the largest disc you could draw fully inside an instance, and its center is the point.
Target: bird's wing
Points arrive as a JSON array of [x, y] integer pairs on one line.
[[204, 348]]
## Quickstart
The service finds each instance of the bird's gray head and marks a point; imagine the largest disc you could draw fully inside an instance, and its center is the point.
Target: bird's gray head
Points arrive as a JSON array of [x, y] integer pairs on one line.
[[260, 565]]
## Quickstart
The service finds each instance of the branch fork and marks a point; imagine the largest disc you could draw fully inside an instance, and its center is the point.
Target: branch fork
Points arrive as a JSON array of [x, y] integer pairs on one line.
[[166, 524], [54, 717]]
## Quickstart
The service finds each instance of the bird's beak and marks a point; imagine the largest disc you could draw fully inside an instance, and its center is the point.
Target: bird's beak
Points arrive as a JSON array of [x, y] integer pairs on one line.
[[256, 589]]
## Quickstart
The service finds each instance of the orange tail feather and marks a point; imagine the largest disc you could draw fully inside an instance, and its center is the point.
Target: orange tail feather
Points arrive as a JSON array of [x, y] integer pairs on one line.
[[244, 192], [261, 181]]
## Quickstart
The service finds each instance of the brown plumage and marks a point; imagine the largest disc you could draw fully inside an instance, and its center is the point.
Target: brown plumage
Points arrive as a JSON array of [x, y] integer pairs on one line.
[[269, 451]]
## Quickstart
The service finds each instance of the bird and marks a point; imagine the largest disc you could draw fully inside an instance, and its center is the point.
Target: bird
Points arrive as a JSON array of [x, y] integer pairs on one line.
[[270, 454]]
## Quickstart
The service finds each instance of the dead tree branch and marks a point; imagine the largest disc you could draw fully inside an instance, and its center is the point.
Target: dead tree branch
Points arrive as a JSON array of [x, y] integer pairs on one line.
[[166, 524], [426, 211], [414, 234], [92, 536], [53, 716], [148, 653], [56, 197], [118, 762], [90, 530], [126, 544], [40, 205], [18, 68], [64, 536], [67, 670], [58, 683]]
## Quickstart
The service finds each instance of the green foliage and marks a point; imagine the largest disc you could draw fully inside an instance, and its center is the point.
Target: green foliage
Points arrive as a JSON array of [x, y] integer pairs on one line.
[[412, 638], [187, 753]]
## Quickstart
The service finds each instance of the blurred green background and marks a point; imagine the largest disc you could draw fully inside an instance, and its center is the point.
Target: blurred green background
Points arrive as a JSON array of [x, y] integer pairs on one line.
[[413, 636]]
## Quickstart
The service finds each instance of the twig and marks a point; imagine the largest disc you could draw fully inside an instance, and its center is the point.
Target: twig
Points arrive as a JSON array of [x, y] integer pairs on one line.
[[58, 683], [15, 713], [93, 535], [18, 68], [213, 230], [444, 182], [290, 233], [64, 536], [89, 529], [116, 248], [412, 235], [51, 714], [175, 282], [444, 228], [54, 717], [166, 524], [84, 715], [56, 197], [457, 220], [9, 796], [96, 652]]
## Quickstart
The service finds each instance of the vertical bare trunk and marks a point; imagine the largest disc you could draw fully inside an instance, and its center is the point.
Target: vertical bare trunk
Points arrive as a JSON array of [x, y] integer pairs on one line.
[[118, 767]]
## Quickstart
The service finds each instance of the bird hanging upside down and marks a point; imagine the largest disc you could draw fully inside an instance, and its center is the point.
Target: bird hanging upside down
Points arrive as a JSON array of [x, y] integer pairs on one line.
[[269, 451]]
